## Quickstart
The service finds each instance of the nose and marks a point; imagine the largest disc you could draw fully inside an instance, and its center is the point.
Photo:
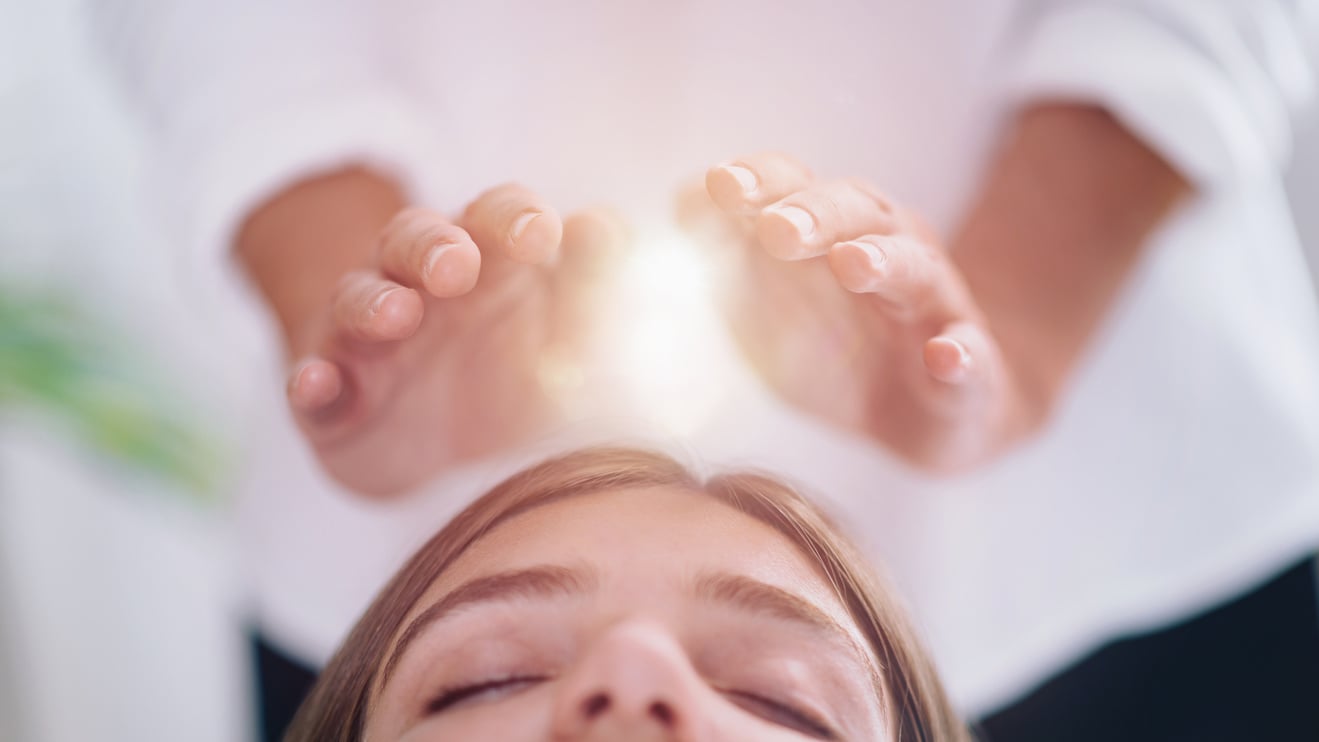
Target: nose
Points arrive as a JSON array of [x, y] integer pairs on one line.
[[634, 683]]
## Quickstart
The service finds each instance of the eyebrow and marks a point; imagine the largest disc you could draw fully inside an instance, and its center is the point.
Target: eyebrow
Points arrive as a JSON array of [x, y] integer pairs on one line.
[[754, 596], [550, 581], [536, 582]]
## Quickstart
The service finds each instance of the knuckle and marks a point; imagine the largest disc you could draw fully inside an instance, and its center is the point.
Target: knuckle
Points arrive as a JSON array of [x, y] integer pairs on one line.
[[410, 227], [873, 196], [829, 206], [431, 234], [348, 284], [509, 191], [782, 160]]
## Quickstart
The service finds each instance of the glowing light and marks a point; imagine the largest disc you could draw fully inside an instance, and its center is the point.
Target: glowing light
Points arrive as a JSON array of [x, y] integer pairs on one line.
[[657, 353], [671, 267], [668, 346]]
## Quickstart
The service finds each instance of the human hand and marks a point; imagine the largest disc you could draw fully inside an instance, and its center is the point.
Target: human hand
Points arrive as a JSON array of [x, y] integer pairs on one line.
[[432, 356], [848, 307]]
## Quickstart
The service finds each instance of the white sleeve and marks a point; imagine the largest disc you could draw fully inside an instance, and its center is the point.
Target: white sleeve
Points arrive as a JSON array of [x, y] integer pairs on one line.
[[1215, 86], [241, 99]]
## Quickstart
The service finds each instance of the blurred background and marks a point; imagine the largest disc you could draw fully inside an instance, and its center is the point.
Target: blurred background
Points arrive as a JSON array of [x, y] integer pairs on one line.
[[118, 412]]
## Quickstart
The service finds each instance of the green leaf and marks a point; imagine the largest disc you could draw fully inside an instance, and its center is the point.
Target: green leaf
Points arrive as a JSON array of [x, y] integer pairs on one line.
[[58, 361]]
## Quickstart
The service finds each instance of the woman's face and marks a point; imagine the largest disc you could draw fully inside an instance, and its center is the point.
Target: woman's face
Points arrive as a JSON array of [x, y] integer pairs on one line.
[[651, 614]]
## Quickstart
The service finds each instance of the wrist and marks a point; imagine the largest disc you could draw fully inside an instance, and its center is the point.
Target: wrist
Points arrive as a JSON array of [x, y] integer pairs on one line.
[[1058, 227]]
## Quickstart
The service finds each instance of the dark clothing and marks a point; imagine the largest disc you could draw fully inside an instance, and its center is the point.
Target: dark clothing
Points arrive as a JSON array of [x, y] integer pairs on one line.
[[1248, 670], [282, 683]]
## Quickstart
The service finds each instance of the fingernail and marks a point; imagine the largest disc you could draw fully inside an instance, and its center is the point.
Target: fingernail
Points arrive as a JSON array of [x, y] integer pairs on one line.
[[800, 219], [746, 179], [379, 301], [433, 258], [295, 377], [298, 380], [963, 356], [958, 373], [522, 222], [864, 269]]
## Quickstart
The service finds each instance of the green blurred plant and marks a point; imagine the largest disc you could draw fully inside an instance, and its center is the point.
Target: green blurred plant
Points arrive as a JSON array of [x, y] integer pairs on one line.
[[63, 364]]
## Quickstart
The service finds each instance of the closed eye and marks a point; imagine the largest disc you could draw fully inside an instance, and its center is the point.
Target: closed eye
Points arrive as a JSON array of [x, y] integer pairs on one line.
[[482, 692], [782, 714]]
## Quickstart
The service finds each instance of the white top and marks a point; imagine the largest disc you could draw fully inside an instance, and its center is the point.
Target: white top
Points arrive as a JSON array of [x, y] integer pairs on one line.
[[1184, 462]]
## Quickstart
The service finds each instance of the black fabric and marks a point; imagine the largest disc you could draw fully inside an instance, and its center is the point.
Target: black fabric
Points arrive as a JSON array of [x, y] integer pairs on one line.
[[282, 683], [1248, 670]]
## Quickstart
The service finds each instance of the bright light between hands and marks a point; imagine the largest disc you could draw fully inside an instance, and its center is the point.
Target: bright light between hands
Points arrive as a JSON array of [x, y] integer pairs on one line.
[[671, 267], [661, 352], [668, 355]]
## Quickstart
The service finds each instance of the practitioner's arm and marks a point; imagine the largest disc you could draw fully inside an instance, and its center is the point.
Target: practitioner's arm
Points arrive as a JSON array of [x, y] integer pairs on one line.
[[954, 355], [949, 356], [386, 394], [1060, 222]]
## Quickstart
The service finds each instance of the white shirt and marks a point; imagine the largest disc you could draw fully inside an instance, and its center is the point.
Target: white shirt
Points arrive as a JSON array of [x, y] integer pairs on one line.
[[1183, 464]]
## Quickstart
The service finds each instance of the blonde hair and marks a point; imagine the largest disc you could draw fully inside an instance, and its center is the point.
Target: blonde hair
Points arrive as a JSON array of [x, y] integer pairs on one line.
[[912, 695]]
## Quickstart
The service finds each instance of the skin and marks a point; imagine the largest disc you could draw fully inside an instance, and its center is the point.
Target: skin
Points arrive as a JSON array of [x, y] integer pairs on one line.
[[417, 341], [946, 356], [633, 651]]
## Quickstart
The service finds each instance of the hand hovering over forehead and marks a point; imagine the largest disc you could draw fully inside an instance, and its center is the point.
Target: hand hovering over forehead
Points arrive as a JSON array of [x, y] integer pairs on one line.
[[418, 340], [852, 309]]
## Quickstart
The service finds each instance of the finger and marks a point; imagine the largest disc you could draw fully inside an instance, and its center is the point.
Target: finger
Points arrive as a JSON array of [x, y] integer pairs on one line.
[[747, 184], [315, 385], [593, 241], [422, 249], [697, 215], [694, 210], [513, 222], [370, 308], [912, 280], [962, 355], [806, 223]]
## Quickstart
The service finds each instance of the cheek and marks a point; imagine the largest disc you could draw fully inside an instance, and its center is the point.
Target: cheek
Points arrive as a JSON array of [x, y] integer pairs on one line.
[[525, 717]]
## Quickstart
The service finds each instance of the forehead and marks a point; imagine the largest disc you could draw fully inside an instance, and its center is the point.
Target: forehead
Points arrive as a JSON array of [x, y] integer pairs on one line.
[[656, 537], [648, 548]]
